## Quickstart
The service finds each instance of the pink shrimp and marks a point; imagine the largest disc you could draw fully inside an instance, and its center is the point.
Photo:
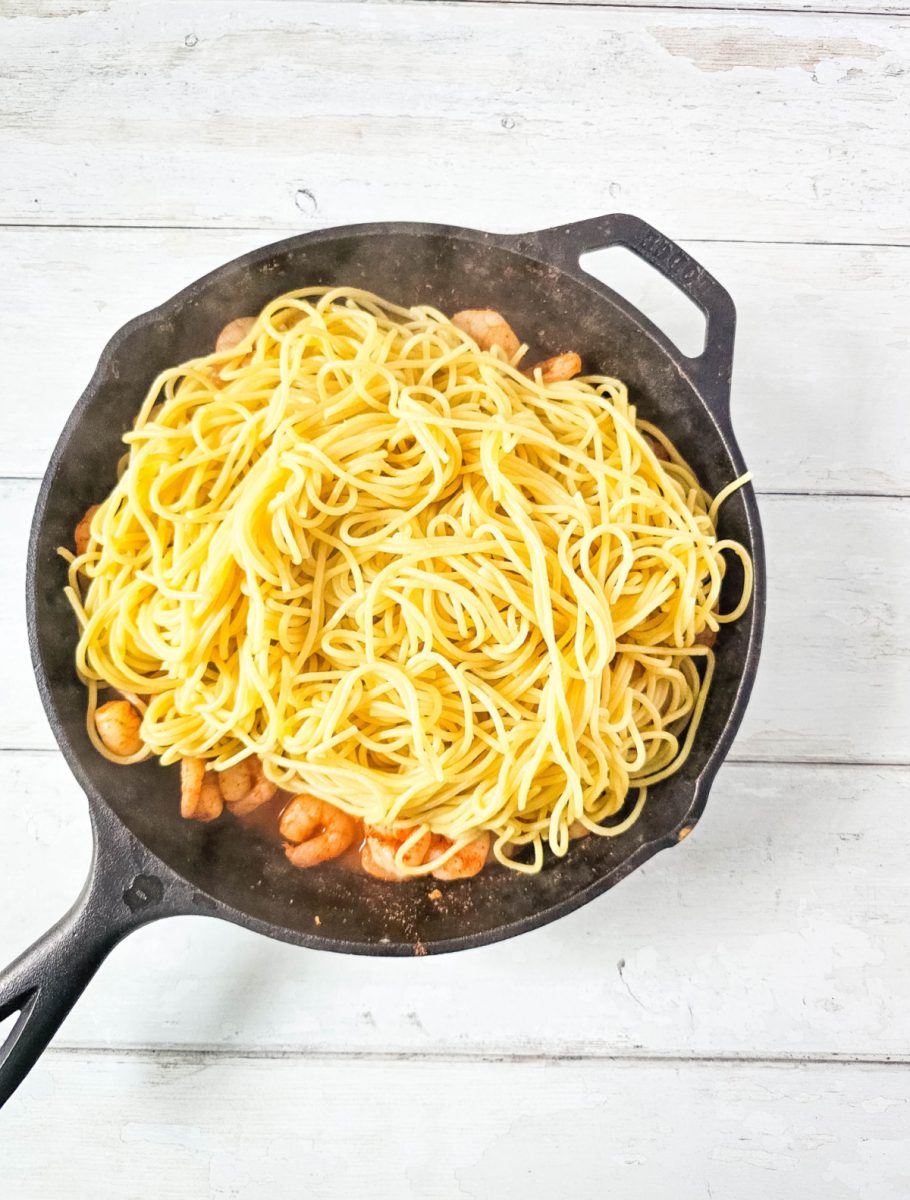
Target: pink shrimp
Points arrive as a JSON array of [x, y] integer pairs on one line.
[[258, 789], [118, 725], [200, 796], [83, 532], [380, 848], [316, 831], [488, 328], [464, 863], [558, 368], [233, 333]]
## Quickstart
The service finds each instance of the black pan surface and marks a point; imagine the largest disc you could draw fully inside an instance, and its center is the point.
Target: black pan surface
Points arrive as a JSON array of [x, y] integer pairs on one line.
[[150, 863]]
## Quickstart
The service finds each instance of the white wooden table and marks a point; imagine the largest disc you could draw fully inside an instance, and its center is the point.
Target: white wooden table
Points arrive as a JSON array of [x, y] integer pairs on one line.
[[733, 1021]]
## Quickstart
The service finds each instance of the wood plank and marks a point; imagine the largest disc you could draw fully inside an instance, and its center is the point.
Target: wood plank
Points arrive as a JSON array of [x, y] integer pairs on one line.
[[823, 345], [277, 113], [837, 636], [866, 7], [779, 928], [243, 1129], [839, 568], [51, 8]]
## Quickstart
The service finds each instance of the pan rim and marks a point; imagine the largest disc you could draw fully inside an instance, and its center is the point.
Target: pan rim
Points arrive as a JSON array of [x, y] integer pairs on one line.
[[104, 814]]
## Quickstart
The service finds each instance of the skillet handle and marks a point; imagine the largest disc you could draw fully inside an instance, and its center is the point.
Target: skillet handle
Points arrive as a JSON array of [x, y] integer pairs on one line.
[[43, 984], [711, 370]]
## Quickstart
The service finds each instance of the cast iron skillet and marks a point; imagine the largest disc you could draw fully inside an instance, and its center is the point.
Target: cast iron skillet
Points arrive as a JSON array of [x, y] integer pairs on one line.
[[147, 863]]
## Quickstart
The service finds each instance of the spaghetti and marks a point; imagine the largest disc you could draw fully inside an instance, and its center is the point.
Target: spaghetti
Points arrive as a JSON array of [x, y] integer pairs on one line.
[[419, 585]]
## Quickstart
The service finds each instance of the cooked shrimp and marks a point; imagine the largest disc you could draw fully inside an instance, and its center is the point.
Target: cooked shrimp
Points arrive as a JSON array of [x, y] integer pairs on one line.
[[118, 724], [488, 328], [259, 791], [83, 532], [235, 782], [707, 636], [204, 804], [381, 845], [577, 830], [233, 334], [558, 368], [192, 772], [316, 831], [464, 863], [660, 451], [376, 869]]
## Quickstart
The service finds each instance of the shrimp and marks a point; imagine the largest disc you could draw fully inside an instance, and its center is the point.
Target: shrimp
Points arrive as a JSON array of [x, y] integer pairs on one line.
[[199, 800], [488, 328], [118, 724], [192, 771], [381, 845], [83, 532], [577, 830], [374, 867], [233, 334], [464, 863], [316, 831], [660, 451], [259, 790], [558, 368], [235, 782], [707, 637]]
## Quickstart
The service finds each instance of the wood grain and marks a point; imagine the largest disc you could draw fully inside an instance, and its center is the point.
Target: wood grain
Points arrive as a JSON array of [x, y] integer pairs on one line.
[[710, 124], [778, 929], [823, 346], [57, 8], [717, 1026], [245, 1129]]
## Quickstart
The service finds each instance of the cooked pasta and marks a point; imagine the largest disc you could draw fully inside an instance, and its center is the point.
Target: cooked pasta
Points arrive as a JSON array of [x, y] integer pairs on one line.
[[439, 594]]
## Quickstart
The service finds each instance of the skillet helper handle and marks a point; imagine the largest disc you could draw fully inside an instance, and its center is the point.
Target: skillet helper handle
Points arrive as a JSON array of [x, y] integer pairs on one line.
[[43, 984], [712, 369]]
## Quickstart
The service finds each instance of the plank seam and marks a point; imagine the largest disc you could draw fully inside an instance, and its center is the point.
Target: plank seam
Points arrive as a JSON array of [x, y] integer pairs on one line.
[[273, 231], [864, 764], [190, 1054], [717, 8], [846, 494]]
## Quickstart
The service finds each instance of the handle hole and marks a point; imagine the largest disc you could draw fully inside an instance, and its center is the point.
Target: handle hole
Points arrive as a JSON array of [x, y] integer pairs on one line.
[[9, 1023], [652, 293]]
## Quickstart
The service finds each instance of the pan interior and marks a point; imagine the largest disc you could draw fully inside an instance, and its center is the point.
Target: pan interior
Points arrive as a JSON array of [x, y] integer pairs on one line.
[[553, 311]]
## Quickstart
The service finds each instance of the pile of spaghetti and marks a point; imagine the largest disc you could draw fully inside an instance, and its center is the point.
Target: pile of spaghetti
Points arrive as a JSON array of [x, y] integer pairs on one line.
[[416, 582]]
